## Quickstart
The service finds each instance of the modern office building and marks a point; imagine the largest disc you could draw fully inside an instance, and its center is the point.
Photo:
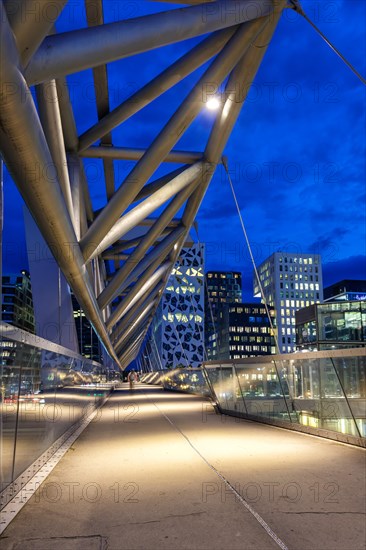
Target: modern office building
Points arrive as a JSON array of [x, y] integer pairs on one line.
[[222, 287], [348, 289], [331, 325], [17, 301], [289, 281], [89, 344], [177, 333], [245, 331]]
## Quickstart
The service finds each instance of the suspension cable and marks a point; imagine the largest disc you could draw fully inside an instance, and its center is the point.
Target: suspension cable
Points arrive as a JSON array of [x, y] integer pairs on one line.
[[224, 162], [298, 8]]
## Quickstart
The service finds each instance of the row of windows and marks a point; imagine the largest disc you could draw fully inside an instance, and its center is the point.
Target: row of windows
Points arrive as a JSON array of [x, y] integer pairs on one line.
[[18, 301], [299, 260], [234, 328], [297, 277], [302, 299], [231, 287], [288, 331], [17, 316], [232, 296], [288, 340], [253, 311], [300, 286], [288, 320], [248, 348], [258, 339], [250, 339], [313, 296], [224, 275], [222, 300], [249, 330], [302, 270]]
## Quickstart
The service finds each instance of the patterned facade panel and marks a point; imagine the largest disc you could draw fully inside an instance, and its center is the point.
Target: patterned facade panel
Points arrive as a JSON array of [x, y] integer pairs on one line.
[[182, 311]]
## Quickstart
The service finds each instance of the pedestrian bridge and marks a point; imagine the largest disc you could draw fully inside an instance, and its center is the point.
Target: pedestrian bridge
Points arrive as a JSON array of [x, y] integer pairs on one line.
[[260, 453]]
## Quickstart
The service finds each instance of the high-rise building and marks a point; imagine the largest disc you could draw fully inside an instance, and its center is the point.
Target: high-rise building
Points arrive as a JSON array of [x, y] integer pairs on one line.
[[178, 327], [245, 331], [290, 281], [17, 301], [89, 344], [222, 287]]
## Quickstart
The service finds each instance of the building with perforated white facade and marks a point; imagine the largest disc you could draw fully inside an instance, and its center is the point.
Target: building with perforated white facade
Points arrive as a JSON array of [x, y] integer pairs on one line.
[[178, 330]]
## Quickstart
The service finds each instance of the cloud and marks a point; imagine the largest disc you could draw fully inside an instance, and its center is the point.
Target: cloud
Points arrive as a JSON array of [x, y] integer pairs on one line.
[[353, 267]]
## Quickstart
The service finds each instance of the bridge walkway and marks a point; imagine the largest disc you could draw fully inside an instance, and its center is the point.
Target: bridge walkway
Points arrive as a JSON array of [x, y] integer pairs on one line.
[[157, 469]]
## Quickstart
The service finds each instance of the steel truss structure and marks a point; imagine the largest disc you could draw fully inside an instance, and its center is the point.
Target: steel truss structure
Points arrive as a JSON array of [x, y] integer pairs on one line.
[[45, 154]]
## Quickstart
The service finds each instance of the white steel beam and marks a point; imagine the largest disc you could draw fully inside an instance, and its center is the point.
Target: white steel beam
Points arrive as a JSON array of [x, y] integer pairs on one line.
[[159, 252], [26, 153], [133, 217], [160, 84], [172, 131], [73, 51], [31, 21], [126, 153]]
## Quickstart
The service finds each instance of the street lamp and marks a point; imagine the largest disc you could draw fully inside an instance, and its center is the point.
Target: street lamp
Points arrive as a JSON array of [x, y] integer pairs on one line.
[[213, 103]]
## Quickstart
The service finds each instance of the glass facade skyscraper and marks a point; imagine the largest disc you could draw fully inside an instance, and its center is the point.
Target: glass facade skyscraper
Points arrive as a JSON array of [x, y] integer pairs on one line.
[[89, 344], [245, 331], [222, 287], [17, 301]]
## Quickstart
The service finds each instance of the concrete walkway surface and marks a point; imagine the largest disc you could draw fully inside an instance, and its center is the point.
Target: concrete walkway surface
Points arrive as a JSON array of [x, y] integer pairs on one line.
[[161, 470]]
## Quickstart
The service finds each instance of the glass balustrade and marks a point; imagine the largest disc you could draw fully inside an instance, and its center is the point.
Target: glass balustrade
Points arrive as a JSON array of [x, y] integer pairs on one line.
[[45, 389], [323, 391]]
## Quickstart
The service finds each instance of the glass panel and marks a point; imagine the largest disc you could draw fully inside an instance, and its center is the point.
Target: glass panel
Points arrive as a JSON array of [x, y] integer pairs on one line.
[[320, 392], [261, 390], [226, 387], [187, 380], [351, 372], [43, 393], [11, 359]]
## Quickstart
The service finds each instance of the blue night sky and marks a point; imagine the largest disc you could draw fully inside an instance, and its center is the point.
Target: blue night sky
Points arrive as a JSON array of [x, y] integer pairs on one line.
[[296, 156]]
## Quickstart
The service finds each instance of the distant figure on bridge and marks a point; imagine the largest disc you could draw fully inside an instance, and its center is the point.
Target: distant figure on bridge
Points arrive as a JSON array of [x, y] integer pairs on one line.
[[132, 378]]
